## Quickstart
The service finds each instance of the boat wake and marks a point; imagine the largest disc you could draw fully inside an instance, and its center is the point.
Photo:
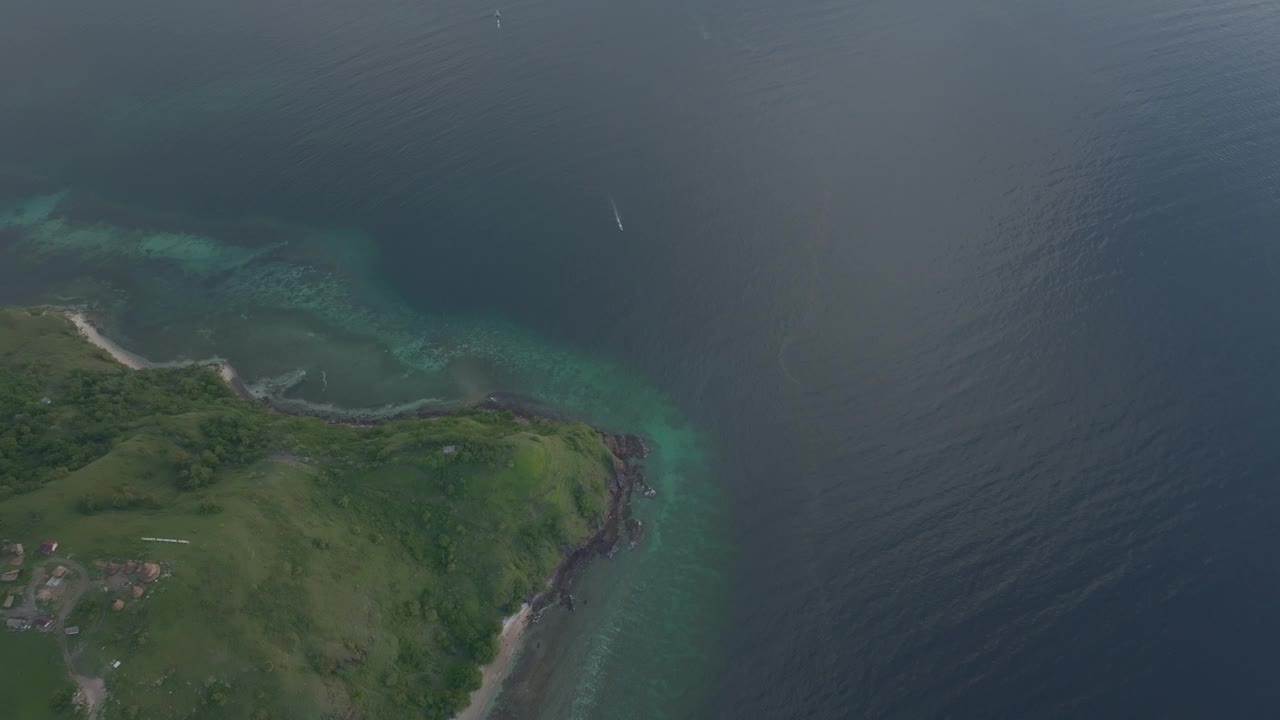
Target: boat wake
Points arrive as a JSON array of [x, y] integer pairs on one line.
[[616, 217]]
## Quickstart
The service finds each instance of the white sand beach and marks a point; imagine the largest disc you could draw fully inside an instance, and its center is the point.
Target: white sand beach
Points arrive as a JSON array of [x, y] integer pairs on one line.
[[137, 362], [86, 328]]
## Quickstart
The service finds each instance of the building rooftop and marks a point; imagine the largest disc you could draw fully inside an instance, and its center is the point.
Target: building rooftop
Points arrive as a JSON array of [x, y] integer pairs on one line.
[[150, 572]]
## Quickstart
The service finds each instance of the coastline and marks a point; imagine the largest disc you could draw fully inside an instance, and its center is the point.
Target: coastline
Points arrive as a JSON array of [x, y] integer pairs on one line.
[[510, 640], [628, 475], [135, 361], [90, 333]]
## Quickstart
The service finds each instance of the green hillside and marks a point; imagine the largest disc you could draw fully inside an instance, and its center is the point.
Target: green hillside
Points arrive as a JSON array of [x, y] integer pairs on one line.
[[330, 571]]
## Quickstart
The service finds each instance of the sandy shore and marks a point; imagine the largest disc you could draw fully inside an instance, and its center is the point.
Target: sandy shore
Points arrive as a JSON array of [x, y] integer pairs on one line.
[[137, 362], [86, 328], [492, 675]]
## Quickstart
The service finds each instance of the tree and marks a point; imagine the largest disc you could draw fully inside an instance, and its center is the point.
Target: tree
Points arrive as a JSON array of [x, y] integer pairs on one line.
[[63, 702]]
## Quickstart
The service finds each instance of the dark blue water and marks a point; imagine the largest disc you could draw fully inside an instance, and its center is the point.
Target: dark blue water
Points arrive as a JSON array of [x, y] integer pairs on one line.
[[949, 319]]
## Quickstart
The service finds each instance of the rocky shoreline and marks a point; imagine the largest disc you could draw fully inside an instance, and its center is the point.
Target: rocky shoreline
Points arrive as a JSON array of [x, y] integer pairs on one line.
[[616, 525]]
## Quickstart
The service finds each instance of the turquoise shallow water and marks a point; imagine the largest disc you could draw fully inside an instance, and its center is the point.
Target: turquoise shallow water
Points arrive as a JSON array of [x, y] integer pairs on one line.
[[308, 320]]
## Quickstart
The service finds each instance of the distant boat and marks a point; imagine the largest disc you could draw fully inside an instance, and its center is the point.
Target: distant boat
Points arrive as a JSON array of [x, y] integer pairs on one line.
[[497, 16], [616, 217]]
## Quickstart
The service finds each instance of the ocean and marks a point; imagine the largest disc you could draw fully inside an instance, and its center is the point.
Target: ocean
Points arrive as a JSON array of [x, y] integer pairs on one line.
[[945, 321]]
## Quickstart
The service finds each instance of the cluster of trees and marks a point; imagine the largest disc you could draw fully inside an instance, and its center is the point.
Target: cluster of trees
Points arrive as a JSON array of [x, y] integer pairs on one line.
[[225, 440], [54, 425], [40, 441], [112, 399], [63, 703], [479, 452], [215, 693], [234, 438], [123, 498], [402, 683]]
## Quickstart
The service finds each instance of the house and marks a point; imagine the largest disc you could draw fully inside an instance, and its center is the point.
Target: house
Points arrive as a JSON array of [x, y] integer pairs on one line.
[[8, 602], [118, 604], [150, 572], [53, 582], [48, 547], [15, 548], [113, 568], [73, 630], [17, 623], [10, 576], [44, 622], [59, 571], [137, 591]]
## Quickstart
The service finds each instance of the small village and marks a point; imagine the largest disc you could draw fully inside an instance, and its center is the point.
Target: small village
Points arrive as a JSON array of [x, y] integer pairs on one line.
[[40, 593], [41, 590]]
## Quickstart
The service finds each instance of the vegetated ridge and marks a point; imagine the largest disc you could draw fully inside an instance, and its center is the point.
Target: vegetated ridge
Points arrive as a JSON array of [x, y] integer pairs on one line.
[[328, 571]]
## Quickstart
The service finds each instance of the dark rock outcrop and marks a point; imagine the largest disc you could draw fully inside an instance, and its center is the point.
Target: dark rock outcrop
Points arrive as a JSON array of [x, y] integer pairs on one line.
[[628, 473]]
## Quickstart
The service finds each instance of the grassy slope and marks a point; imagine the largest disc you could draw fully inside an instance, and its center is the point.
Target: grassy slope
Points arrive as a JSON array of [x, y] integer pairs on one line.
[[336, 568], [33, 676]]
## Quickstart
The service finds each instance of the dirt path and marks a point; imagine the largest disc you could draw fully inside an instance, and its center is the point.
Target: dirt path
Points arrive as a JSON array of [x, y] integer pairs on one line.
[[82, 584], [94, 690]]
